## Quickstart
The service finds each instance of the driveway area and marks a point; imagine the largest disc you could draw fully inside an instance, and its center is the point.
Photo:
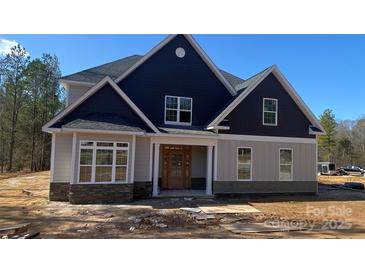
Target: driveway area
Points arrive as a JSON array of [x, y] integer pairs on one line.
[[332, 213]]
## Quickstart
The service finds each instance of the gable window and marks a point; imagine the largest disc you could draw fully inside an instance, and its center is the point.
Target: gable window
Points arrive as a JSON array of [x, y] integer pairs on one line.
[[244, 163], [286, 164], [270, 112], [103, 162], [178, 110]]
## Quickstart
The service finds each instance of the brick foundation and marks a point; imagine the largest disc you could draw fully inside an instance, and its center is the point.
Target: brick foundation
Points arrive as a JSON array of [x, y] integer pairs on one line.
[[59, 192], [142, 190], [100, 193]]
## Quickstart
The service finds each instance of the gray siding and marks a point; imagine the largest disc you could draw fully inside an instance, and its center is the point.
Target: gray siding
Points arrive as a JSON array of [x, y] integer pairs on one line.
[[199, 162], [62, 157], [142, 159], [265, 160], [75, 92]]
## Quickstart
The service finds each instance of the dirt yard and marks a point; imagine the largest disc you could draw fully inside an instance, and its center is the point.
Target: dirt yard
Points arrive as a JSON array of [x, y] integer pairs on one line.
[[333, 213]]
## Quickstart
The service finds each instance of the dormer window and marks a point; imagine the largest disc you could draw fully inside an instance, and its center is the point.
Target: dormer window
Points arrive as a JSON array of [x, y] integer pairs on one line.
[[178, 110], [270, 112]]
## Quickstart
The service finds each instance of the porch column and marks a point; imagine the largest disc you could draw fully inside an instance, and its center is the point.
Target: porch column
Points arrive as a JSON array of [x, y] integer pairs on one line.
[[133, 157], [73, 159], [209, 171], [155, 170]]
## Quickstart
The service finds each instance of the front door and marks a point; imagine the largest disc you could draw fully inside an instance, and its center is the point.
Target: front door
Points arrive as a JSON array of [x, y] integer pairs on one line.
[[176, 173]]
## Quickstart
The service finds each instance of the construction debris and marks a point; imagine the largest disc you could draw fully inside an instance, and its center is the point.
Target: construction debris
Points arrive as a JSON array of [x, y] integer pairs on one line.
[[257, 227], [232, 219], [190, 209], [29, 193], [228, 209], [202, 216]]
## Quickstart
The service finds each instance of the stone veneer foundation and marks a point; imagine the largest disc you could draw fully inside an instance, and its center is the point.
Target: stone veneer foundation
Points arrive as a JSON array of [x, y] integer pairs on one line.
[[100, 193], [142, 190], [59, 192]]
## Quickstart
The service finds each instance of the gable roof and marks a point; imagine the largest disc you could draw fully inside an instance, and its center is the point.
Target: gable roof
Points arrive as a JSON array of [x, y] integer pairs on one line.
[[91, 91], [119, 69], [248, 86]]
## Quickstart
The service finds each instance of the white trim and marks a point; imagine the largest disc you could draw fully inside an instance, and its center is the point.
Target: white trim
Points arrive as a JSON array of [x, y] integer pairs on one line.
[[106, 80], [183, 141], [294, 95], [155, 170], [237, 162], [266, 139], [215, 168], [311, 132], [151, 161], [93, 165], [133, 158], [218, 128], [208, 184], [79, 130], [291, 165], [53, 150], [269, 111], [73, 158], [178, 110], [182, 136], [197, 48], [78, 83]]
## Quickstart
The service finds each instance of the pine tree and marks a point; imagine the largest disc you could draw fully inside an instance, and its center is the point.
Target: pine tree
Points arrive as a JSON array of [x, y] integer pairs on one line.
[[327, 142]]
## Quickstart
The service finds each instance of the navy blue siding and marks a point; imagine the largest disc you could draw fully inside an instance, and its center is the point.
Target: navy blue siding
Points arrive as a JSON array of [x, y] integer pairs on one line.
[[105, 100], [166, 74], [246, 118]]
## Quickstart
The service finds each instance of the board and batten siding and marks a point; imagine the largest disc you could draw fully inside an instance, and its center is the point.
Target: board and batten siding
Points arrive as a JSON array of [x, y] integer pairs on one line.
[[198, 162], [142, 159], [62, 158], [265, 160]]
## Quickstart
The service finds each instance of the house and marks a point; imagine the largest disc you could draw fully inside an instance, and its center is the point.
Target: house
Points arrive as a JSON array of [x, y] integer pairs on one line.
[[171, 123]]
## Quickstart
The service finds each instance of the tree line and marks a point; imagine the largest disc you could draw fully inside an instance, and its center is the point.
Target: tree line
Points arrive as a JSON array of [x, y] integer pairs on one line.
[[344, 142], [30, 95]]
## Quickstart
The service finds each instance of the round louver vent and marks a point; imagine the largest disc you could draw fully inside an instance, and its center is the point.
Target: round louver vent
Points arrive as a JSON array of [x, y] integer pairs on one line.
[[180, 52]]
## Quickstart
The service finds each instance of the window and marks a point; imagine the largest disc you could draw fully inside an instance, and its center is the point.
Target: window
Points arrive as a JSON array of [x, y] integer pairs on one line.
[[286, 164], [178, 110], [103, 162], [270, 112], [244, 163]]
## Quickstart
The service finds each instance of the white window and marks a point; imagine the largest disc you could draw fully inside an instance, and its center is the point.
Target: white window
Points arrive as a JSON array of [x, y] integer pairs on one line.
[[286, 164], [244, 163], [270, 112], [178, 110], [103, 162]]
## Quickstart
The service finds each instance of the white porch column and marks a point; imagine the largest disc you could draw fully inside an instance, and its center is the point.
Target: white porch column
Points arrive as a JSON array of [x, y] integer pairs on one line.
[[73, 159], [155, 170], [133, 157], [209, 170], [53, 150]]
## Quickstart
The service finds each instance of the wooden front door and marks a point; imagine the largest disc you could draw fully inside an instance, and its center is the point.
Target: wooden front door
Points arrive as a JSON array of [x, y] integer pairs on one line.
[[176, 167]]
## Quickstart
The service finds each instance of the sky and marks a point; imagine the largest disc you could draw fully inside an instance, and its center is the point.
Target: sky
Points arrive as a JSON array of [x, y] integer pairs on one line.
[[327, 71]]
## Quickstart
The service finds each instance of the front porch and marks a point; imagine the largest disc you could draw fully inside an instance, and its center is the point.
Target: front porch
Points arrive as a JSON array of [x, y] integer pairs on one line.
[[183, 167]]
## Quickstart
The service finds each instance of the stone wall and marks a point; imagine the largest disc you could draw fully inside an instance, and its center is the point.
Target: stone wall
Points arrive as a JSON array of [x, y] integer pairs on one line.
[[100, 193], [142, 190], [59, 192]]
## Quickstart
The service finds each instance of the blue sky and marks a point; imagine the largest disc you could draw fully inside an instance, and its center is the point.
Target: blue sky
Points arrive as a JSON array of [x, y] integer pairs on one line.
[[328, 71]]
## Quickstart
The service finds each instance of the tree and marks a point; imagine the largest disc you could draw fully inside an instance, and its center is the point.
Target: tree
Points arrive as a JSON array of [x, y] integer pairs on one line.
[[12, 68], [327, 142]]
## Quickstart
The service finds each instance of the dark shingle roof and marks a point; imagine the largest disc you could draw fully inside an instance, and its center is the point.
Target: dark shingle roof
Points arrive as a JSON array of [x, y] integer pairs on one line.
[[102, 121], [118, 67], [184, 131], [113, 69]]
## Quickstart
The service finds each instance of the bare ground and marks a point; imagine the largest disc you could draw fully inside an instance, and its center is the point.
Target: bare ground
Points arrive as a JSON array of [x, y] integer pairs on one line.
[[333, 213]]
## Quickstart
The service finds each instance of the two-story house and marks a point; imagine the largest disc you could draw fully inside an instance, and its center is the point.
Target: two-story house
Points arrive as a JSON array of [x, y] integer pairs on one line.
[[171, 123]]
